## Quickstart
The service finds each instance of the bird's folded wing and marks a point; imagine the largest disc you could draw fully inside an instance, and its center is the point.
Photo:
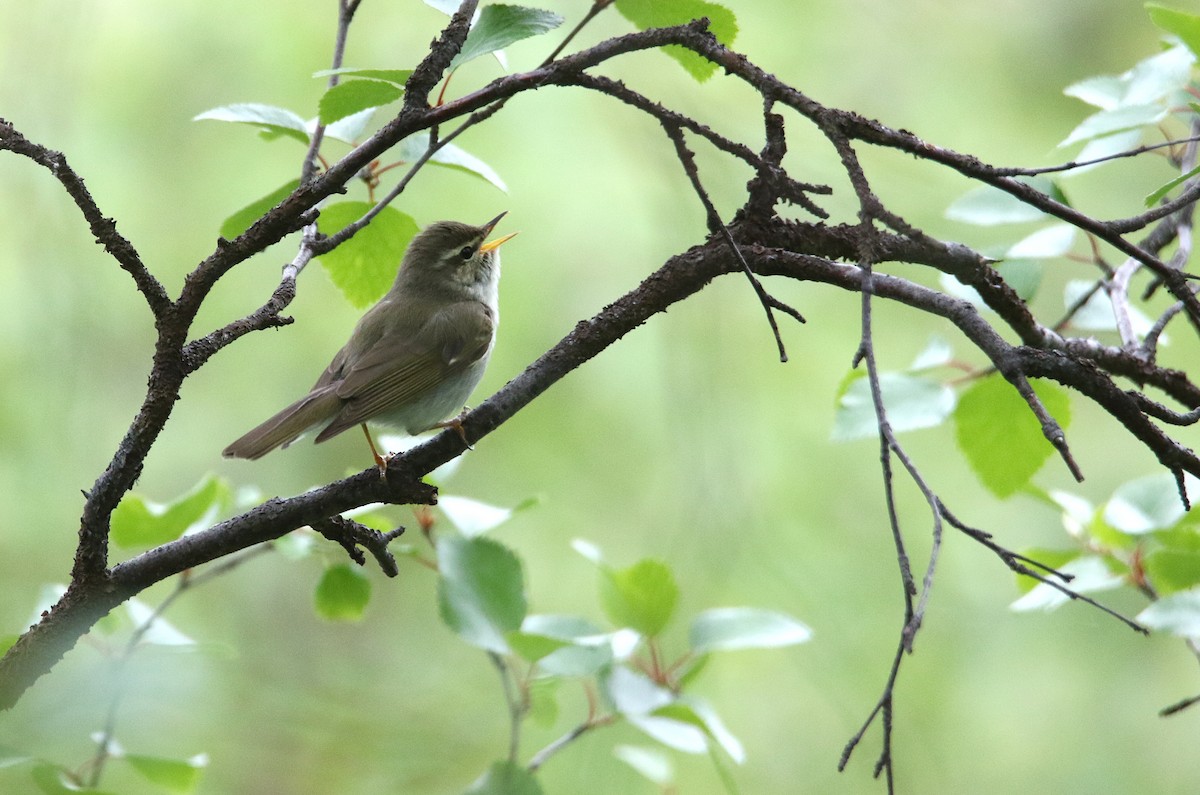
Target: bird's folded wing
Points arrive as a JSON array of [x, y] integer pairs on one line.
[[398, 369]]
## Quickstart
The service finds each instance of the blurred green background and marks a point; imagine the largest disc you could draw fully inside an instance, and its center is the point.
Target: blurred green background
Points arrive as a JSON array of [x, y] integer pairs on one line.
[[688, 441]]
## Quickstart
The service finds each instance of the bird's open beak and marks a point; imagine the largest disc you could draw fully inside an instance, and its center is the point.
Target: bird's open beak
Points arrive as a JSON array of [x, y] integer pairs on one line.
[[492, 245]]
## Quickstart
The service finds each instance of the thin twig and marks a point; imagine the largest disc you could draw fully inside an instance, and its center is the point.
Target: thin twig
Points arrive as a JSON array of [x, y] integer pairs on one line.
[[103, 228], [351, 535], [184, 582], [782, 183], [883, 707], [543, 756], [1053, 578], [1179, 706], [346, 9], [1161, 412], [516, 706], [715, 224], [1073, 164], [596, 8]]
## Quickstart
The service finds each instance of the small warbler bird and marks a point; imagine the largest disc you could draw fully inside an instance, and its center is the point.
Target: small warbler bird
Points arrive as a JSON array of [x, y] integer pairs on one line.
[[414, 357]]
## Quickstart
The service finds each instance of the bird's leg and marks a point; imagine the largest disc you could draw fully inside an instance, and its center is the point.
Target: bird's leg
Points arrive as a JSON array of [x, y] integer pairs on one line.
[[380, 461], [456, 424]]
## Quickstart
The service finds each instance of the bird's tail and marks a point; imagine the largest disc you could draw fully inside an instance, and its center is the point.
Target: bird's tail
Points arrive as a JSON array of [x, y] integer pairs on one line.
[[288, 425]]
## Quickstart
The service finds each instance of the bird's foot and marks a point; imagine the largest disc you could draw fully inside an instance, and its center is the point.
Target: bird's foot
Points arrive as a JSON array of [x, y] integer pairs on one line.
[[457, 424], [380, 461]]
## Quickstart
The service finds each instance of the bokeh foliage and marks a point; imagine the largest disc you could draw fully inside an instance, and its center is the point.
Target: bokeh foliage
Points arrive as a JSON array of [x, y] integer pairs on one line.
[[737, 482]]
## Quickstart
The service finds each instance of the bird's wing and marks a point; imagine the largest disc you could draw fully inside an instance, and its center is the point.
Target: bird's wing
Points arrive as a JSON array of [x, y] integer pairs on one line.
[[334, 372], [399, 367]]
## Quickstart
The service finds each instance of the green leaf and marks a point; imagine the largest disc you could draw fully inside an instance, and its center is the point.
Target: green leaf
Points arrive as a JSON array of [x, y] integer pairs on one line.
[[653, 710], [1145, 504], [1162, 78], [296, 545], [588, 550], [268, 119], [533, 647], [999, 434], [501, 25], [634, 693], [936, 353], [472, 517], [505, 778], [1102, 91], [1090, 574], [481, 591], [138, 521], [1107, 122], [174, 775], [690, 670], [650, 763], [449, 156], [1102, 535], [396, 76], [990, 205], [6, 643], [364, 267], [1106, 147], [1159, 79], [1023, 276], [701, 714], [1154, 197], [350, 129], [1173, 570], [578, 660], [354, 96], [912, 402], [51, 779], [1096, 314], [443, 473], [646, 14], [1077, 512], [342, 594], [641, 597], [1054, 558], [671, 732], [568, 628], [157, 631], [11, 756], [1048, 242], [1184, 25], [1178, 614], [543, 701], [728, 628], [728, 782], [1184, 536], [589, 650], [240, 221]]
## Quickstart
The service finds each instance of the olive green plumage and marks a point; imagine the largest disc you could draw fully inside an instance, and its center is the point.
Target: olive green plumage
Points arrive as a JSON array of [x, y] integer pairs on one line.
[[414, 357]]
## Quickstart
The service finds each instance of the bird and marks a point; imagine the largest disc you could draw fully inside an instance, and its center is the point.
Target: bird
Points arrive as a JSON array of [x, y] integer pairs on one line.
[[415, 357]]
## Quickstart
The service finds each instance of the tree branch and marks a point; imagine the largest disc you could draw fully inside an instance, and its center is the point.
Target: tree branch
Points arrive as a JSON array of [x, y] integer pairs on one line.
[[104, 229]]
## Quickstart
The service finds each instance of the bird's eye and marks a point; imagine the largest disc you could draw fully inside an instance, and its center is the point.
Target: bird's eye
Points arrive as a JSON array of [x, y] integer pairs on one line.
[[466, 252]]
